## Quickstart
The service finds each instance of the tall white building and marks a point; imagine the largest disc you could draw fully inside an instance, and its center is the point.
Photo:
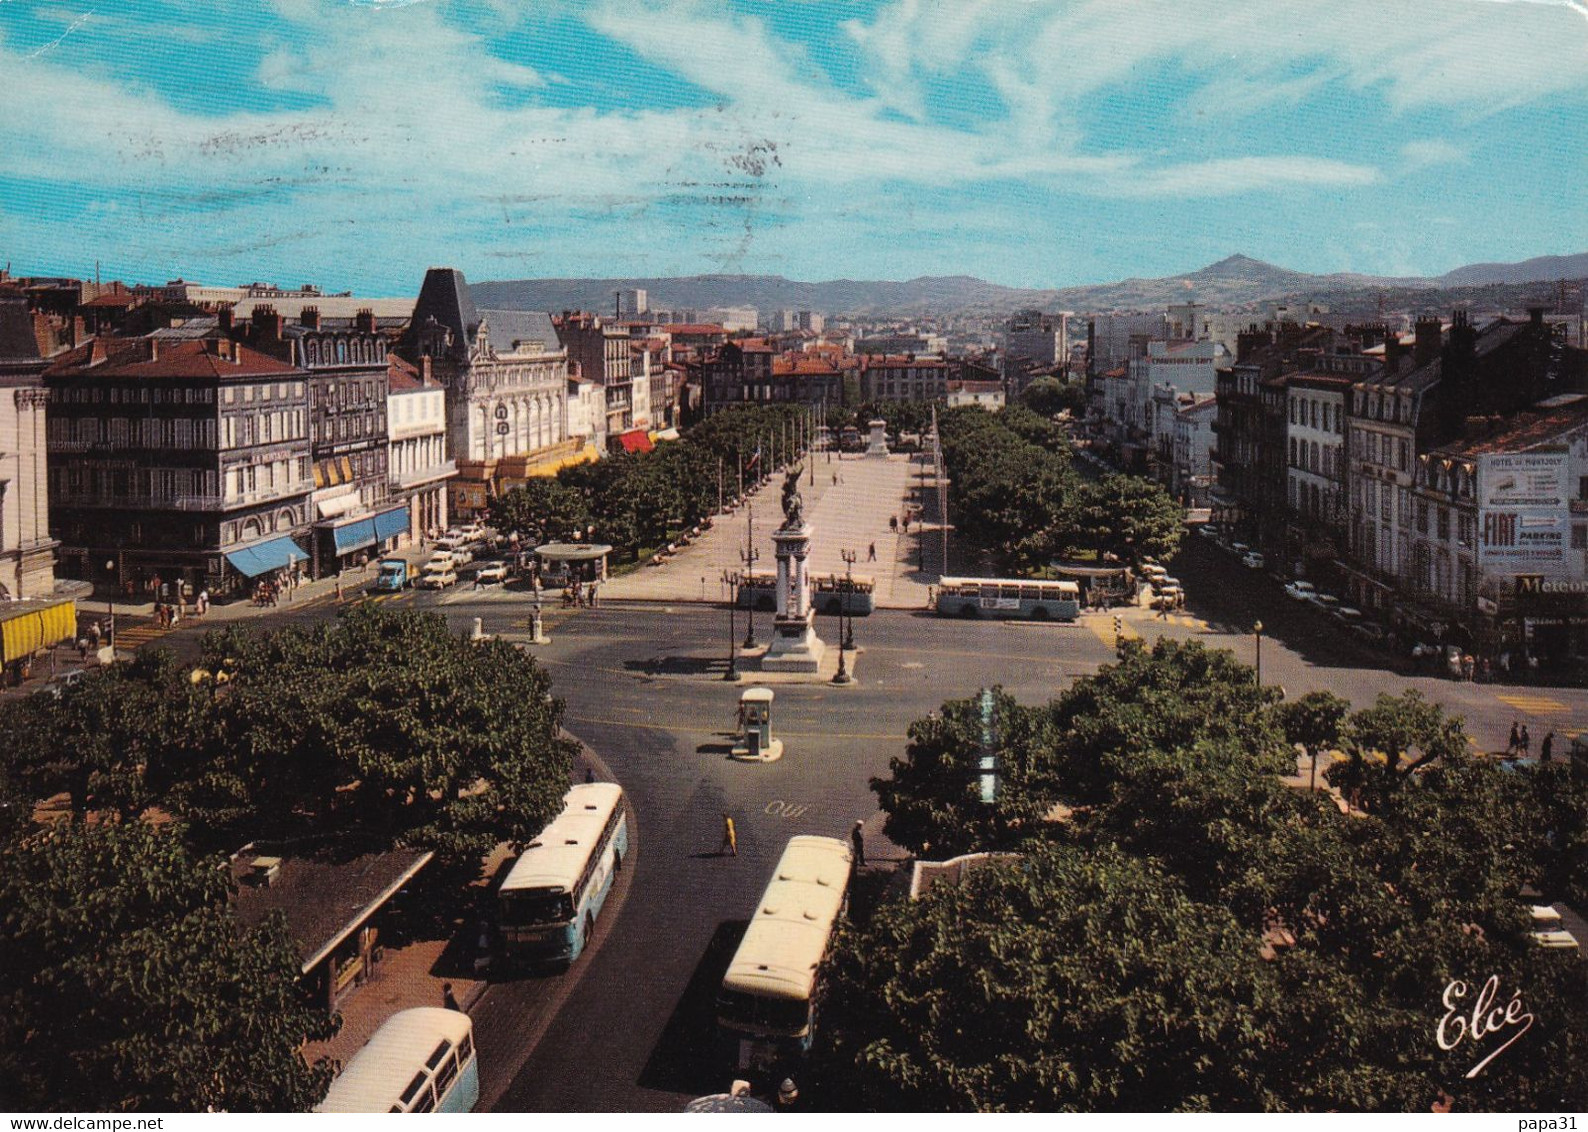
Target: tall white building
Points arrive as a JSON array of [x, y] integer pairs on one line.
[[416, 428]]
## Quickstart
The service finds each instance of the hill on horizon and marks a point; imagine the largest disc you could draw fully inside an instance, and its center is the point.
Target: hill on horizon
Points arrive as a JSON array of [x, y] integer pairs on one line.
[[1235, 281]]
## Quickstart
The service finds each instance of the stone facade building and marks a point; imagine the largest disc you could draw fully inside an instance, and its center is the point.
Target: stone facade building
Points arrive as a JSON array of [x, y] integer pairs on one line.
[[27, 550], [506, 377]]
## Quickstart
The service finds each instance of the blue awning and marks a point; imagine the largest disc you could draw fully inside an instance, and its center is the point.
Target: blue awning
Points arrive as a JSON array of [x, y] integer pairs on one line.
[[354, 536], [264, 557], [389, 524]]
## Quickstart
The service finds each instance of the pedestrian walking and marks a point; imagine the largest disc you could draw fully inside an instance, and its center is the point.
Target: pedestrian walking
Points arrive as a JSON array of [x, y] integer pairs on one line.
[[1516, 740], [589, 775], [94, 634], [1546, 749], [449, 1000], [82, 649], [871, 554], [1527, 741], [730, 837], [1163, 609], [857, 838], [203, 602]]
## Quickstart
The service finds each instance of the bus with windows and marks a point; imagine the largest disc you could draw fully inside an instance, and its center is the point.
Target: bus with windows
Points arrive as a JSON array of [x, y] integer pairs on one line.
[[548, 905], [756, 589], [853, 596], [766, 1006], [420, 1060], [1009, 598], [830, 593]]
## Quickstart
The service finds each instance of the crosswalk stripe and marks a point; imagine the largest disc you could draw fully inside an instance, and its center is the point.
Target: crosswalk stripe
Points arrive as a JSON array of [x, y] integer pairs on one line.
[[1539, 705]]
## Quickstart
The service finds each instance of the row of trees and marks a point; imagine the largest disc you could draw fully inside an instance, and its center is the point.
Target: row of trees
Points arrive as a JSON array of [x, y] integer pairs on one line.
[[1181, 930], [639, 501], [1015, 493], [128, 982]]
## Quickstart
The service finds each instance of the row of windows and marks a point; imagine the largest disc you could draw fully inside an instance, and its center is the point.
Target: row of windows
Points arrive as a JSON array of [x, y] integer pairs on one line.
[[1311, 456], [247, 394], [244, 430], [349, 428], [343, 395], [139, 394], [342, 351], [1377, 448], [1382, 406], [1308, 412], [287, 474], [156, 485], [134, 432]]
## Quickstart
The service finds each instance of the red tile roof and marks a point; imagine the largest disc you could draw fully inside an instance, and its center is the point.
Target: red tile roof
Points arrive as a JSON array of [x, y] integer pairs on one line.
[[147, 357]]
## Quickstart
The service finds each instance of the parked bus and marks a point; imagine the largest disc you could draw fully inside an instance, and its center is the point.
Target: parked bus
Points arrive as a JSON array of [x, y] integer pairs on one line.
[[756, 589], [549, 902], [853, 596], [829, 592], [420, 1060], [765, 1010], [1008, 598]]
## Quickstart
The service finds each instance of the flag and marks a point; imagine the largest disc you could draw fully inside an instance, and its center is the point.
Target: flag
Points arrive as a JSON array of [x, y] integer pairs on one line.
[[755, 459]]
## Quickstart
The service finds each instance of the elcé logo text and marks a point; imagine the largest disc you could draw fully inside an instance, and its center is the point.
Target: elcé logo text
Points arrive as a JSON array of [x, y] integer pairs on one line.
[[1483, 1018]]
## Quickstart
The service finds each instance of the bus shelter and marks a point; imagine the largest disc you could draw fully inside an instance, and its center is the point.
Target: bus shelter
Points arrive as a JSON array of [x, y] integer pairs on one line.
[[570, 561]]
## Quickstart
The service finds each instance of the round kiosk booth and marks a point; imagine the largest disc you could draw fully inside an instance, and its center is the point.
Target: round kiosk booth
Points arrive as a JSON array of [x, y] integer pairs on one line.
[[573, 561]]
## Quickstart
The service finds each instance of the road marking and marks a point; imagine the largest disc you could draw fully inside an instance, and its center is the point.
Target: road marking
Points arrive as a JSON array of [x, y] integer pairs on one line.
[[778, 808], [1536, 705]]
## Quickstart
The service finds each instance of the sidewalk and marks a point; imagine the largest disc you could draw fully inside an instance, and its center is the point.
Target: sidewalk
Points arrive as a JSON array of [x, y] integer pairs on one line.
[[848, 505]]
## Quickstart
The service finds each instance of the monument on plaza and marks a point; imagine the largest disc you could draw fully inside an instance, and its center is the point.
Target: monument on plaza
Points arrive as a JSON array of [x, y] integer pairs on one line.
[[795, 647], [878, 444]]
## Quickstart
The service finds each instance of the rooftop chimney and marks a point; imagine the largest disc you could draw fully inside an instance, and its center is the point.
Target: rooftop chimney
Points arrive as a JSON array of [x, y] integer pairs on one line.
[[1428, 341], [226, 318], [1535, 315], [364, 321], [1392, 351], [267, 323], [310, 317]]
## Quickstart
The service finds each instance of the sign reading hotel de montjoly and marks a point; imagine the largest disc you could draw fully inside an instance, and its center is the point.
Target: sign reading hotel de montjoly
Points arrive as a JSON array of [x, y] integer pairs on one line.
[[1524, 512]]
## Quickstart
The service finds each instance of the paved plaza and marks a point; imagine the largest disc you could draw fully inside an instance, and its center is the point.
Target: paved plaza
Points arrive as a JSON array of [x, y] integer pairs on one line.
[[849, 505]]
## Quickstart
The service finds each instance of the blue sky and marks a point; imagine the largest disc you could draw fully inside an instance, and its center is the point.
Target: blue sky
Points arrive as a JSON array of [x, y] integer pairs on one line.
[[353, 143]]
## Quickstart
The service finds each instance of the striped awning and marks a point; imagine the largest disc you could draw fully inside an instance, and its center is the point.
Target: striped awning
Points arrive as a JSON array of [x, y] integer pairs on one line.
[[389, 524], [275, 554], [24, 631]]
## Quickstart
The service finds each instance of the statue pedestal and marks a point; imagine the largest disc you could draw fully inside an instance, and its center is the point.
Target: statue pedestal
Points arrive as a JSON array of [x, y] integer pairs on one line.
[[877, 444], [794, 647]]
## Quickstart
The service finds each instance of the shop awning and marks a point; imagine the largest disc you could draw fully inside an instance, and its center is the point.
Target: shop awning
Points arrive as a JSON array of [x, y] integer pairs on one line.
[[276, 554], [26, 627], [338, 505], [354, 535], [636, 441], [389, 524], [665, 434]]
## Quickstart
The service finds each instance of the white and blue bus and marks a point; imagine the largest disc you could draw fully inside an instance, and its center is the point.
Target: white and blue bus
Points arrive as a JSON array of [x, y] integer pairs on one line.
[[547, 906], [765, 1009], [420, 1060], [1028, 598]]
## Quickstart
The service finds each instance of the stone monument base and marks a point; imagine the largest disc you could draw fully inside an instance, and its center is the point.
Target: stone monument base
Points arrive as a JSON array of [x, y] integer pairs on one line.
[[794, 648]]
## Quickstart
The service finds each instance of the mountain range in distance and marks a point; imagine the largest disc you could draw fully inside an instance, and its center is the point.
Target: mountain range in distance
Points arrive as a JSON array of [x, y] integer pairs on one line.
[[1232, 282]]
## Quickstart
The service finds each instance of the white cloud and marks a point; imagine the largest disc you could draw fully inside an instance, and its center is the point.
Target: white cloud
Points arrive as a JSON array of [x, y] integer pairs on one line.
[[1426, 152]]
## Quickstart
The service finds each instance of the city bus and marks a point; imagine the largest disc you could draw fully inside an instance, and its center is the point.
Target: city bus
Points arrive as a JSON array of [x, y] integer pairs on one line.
[[765, 1009], [830, 593], [547, 906], [420, 1060], [1008, 598], [834, 593], [756, 589]]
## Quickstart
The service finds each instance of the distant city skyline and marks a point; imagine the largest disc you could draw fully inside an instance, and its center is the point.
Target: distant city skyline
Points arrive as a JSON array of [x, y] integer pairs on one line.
[[354, 143]]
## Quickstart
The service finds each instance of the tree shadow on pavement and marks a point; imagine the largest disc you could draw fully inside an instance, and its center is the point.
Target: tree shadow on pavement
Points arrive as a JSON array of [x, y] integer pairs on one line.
[[686, 1058]]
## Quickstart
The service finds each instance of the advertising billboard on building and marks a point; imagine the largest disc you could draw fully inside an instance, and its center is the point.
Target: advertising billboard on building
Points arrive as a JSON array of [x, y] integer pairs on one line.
[[1523, 518]]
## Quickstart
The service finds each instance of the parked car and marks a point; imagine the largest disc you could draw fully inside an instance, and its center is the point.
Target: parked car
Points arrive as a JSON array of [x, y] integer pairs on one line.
[[492, 573], [473, 531], [437, 576], [1370, 632], [1348, 615], [1240, 549], [1208, 532], [1326, 602], [393, 576], [1252, 560], [1300, 590]]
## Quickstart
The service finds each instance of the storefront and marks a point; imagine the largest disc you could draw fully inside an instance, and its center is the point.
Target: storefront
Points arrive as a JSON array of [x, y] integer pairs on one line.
[[253, 563], [348, 543]]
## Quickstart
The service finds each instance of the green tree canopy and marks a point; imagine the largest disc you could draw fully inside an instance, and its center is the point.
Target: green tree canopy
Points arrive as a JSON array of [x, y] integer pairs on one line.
[[544, 506], [1049, 396], [384, 724], [1129, 517], [129, 985]]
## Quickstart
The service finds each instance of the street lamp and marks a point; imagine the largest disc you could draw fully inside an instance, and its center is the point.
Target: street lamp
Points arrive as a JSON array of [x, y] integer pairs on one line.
[[110, 607], [1257, 631], [733, 627], [749, 556], [844, 611]]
